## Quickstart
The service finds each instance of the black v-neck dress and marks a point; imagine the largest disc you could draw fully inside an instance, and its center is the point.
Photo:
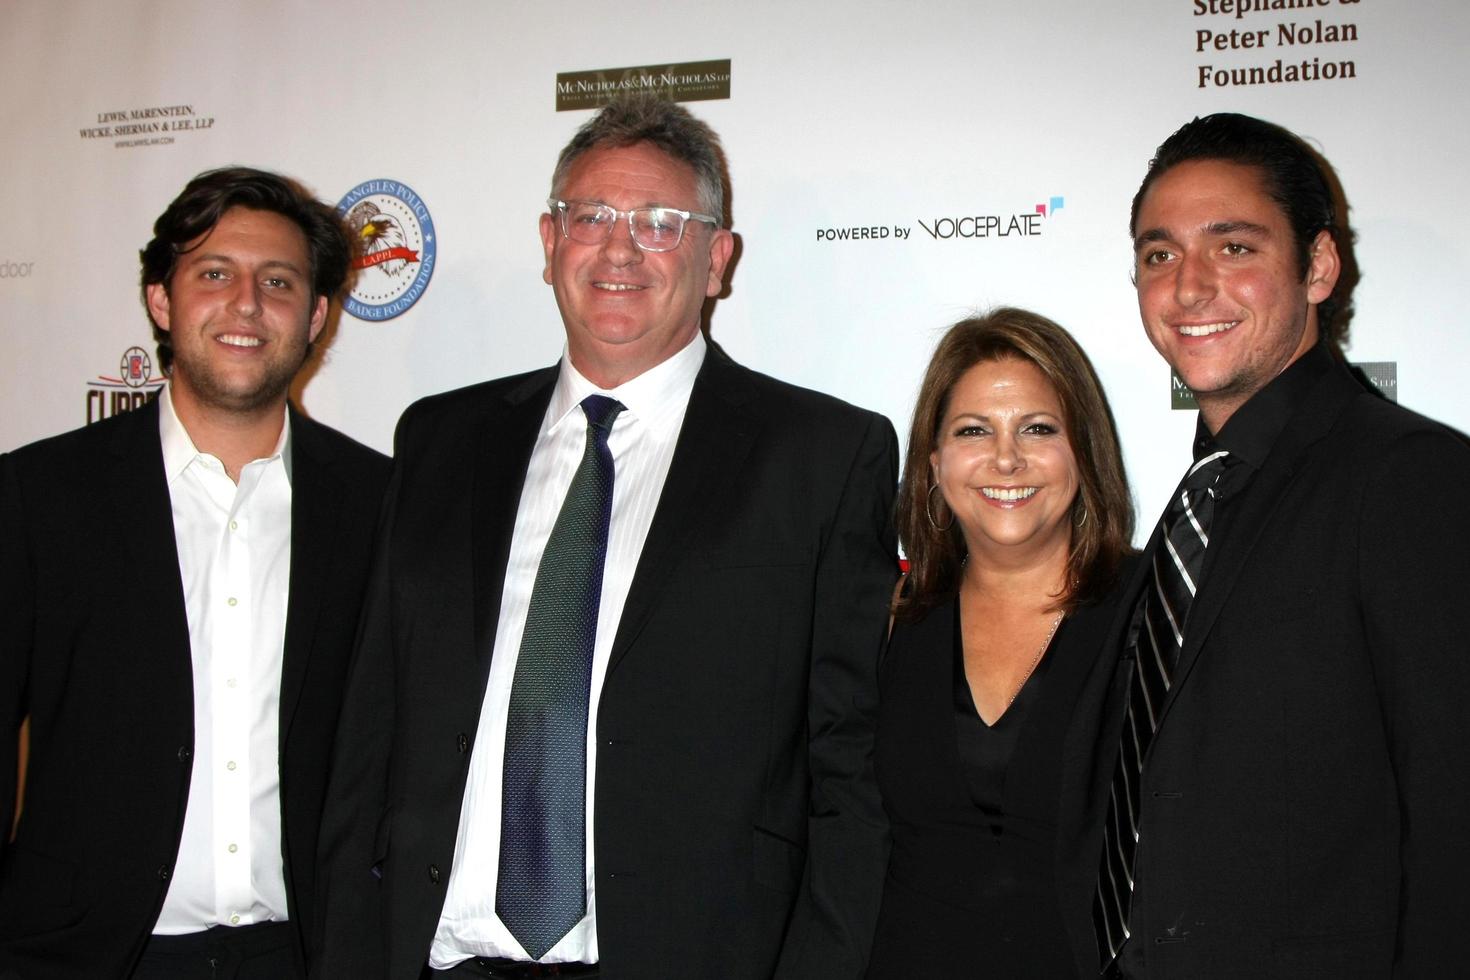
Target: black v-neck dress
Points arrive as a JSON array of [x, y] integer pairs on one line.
[[971, 885]]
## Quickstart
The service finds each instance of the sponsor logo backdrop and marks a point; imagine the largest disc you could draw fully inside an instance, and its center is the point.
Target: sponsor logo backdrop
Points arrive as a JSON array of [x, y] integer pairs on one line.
[[891, 172]]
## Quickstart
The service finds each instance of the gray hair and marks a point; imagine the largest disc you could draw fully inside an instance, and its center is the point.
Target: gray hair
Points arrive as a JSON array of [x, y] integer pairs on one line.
[[644, 117]]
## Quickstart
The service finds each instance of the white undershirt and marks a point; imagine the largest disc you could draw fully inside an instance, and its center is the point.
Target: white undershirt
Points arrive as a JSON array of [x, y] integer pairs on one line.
[[642, 445], [234, 547]]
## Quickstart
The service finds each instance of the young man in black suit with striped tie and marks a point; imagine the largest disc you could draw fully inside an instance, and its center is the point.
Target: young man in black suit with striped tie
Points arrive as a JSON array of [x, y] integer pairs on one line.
[[1291, 793]]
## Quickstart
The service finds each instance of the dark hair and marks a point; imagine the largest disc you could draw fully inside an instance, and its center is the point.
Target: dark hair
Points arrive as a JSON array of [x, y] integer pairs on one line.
[[643, 117], [1102, 515], [1294, 176], [206, 198]]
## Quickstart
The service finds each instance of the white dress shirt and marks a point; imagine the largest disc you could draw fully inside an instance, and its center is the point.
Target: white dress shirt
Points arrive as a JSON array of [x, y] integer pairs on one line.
[[234, 547], [642, 446]]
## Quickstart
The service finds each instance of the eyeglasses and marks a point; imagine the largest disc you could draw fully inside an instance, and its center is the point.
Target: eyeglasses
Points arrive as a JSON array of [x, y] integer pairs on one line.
[[653, 229]]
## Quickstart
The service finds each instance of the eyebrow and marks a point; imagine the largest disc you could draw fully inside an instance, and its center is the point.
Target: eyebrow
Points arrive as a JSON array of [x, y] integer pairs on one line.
[[1216, 228], [609, 204], [1040, 413], [196, 257]]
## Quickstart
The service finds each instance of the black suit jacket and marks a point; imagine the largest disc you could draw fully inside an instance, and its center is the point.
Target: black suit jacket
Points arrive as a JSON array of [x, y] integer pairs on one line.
[[734, 802], [96, 652], [1305, 799]]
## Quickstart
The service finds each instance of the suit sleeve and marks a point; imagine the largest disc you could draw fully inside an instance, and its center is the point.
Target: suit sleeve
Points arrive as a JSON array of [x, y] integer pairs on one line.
[[1415, 566], [17, 592], [847, 840], [348, 938]]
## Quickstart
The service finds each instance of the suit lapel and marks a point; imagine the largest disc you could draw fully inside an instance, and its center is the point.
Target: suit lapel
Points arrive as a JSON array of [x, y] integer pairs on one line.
[[1315, 418], [1088, 758], [314, 532], [135, 500], [502, 452], [716, 436]]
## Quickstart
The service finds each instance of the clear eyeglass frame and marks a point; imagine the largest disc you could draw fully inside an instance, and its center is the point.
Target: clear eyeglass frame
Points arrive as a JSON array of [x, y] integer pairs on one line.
[[652, 229]]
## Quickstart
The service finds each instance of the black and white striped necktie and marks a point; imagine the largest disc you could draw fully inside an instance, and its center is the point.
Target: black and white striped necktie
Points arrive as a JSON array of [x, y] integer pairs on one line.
[[1162, 616]]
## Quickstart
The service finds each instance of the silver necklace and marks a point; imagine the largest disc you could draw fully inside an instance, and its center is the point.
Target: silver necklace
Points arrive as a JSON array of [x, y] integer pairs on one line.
[[1032, 669]]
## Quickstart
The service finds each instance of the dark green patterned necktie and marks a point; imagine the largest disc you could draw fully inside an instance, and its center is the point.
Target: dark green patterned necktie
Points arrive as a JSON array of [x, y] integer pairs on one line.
[[541, 890]]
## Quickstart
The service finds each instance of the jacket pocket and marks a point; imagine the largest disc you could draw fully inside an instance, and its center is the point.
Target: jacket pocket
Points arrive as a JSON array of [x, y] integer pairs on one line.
[[380, 843]]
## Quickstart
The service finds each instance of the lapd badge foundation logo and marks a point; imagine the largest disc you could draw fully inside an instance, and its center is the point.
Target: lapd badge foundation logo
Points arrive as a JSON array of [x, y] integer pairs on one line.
[[396, 248], [134, 386]]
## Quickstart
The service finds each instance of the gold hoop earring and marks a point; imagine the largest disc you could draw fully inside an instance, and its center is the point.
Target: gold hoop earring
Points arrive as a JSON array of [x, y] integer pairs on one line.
[[1079, 525], [929, 511]]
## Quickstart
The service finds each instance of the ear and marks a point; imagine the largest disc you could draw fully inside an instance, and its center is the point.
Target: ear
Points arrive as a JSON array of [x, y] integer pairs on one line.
[[550, 234], [158, 304], [1325, 267], [721, 247], [319, 316]]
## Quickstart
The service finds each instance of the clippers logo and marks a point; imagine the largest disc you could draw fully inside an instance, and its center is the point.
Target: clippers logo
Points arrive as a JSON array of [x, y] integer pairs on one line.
[[133, 387], [136, 367], [396, 248]]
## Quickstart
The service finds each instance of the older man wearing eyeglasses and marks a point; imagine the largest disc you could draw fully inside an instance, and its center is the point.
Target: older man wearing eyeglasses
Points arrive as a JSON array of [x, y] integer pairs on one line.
[[612, 706]]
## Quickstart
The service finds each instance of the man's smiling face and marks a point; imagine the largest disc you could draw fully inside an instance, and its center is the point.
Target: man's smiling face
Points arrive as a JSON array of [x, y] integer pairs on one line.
[[239, 312], [627, 310], [1219, 283]]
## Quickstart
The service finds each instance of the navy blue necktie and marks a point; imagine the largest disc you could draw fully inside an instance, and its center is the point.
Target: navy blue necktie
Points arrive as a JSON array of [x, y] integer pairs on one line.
[[1161, 617], [541, 893]]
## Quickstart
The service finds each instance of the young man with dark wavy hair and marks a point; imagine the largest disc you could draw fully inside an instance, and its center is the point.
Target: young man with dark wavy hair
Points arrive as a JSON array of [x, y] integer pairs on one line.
[[182, 693]]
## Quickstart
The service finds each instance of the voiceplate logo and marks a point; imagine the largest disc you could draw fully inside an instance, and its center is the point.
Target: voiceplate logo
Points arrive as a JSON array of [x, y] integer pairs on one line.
[[1057, 203], [1018, 224]]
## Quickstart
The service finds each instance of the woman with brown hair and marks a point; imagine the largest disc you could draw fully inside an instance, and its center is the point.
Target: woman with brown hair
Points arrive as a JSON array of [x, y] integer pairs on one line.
[[1016, 518]]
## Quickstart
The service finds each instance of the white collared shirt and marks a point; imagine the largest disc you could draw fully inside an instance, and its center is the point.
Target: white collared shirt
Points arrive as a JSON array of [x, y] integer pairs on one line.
[[642, 445], [234, 548]]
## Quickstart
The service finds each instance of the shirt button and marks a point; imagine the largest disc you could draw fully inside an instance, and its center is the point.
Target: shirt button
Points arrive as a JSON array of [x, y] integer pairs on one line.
[[230, 682], [234, 848], [235, 919], [230, 765], [231, 601], [234, 526]]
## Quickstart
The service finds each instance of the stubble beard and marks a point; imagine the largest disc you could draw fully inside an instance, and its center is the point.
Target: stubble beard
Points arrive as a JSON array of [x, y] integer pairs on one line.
[[213, 389]]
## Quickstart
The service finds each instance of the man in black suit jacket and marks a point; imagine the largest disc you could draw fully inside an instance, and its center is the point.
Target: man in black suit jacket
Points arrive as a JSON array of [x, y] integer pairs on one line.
[[1303, 801], [732, 820], [124, 542]]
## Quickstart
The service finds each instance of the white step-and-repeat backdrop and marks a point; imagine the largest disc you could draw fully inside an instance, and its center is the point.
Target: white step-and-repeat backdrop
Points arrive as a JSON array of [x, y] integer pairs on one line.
[[895, 166]]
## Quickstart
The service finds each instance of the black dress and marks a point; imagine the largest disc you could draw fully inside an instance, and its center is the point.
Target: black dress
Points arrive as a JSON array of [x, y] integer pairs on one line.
[[971, 886]]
